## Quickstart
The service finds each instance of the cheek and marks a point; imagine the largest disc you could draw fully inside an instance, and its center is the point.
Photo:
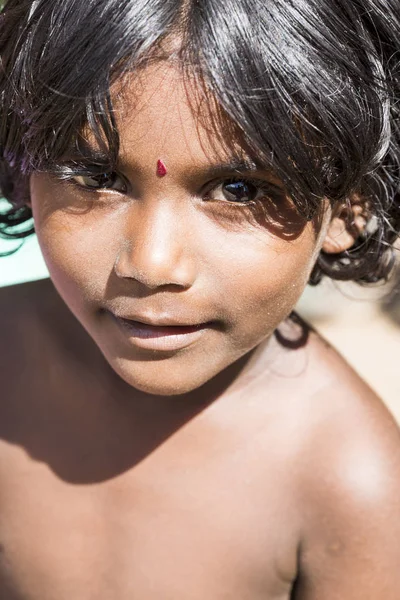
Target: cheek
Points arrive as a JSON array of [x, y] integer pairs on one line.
[[263, 277], [78, 257], [77, 247]]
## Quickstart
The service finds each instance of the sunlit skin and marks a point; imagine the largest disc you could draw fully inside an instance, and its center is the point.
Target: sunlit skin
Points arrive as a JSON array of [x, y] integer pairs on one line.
[[204, 462], [172, 249]]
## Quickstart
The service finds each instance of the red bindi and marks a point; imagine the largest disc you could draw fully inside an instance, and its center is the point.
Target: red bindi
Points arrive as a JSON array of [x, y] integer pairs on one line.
[[161, 169]]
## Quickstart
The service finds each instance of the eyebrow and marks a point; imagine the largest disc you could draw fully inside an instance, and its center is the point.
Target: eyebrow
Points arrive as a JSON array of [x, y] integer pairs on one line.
[[242, 167], [238, 166]]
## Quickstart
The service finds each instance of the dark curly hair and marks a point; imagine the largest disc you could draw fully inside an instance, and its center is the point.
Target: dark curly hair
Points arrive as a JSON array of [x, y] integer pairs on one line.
[[313, 86]]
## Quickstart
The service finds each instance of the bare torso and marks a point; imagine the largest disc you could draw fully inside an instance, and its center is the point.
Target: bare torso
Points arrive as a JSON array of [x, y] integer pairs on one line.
[[102, 501], [187, 522]]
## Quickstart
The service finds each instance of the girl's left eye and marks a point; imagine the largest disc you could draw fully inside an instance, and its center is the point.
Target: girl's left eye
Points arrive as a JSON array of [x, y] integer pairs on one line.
[[103, 181], [239, 191]]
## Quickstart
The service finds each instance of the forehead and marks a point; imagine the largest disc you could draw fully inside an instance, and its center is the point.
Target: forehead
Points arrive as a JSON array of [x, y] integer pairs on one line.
[[162, 112]]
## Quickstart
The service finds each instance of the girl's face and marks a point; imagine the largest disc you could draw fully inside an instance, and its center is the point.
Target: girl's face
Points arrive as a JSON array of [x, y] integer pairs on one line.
[[200, 261]]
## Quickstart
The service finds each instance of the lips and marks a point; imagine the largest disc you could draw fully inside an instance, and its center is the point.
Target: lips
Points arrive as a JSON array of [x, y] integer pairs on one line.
[[147, 330], [159, 335]]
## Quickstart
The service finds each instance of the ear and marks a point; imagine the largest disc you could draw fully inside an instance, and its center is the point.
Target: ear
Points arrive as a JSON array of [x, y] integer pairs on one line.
[[349, 222]]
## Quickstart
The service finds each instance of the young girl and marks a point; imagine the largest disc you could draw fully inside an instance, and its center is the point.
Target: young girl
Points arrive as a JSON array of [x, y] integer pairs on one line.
[[168, 428]]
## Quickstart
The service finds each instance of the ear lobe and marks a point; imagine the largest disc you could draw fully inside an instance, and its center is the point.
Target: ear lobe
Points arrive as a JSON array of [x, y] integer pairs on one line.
[[348, 224]]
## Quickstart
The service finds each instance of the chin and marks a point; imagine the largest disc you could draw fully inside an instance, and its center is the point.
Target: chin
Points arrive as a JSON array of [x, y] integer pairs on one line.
[[159, 380]]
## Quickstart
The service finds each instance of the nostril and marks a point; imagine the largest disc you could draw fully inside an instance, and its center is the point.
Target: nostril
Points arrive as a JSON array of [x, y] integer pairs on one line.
[[154, 272]]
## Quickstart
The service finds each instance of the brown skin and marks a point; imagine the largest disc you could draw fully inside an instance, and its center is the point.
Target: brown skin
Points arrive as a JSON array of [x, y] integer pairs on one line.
[[234, 468], [163, 252]]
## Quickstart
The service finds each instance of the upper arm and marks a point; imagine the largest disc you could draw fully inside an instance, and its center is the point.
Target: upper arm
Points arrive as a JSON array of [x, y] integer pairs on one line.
[[350, 548]]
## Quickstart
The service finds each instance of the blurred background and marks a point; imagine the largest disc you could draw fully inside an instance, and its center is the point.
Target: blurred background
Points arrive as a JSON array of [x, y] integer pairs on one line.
[[362, 323]]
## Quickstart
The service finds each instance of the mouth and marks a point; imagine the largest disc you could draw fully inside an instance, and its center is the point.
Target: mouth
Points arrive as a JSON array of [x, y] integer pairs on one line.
[[159, 336]]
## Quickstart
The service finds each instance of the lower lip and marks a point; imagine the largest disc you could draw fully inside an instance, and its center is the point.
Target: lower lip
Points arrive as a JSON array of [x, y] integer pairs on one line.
[[159, 338]]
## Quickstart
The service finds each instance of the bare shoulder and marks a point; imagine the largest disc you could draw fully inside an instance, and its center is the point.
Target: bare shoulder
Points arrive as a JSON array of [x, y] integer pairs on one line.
[[34, 323], [349, 429], [20, 305], [24, 311], [347, 425], [349, 486], [24, 302]]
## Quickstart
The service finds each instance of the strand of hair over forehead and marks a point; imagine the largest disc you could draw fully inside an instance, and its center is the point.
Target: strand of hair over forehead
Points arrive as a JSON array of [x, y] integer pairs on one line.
[[312, 85]]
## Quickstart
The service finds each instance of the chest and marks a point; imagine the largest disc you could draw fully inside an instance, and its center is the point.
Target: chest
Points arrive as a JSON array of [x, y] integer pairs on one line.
[[167, 529]]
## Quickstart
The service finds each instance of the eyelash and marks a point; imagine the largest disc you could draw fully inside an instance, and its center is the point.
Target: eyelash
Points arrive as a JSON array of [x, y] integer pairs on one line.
[[69, 175], [269, 190]]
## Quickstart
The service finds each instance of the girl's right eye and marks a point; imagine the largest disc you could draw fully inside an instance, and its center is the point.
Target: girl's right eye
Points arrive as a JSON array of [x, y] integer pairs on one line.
[[103, 181]]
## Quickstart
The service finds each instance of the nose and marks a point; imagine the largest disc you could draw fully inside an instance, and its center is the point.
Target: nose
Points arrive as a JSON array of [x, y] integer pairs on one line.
[[155, 250]]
